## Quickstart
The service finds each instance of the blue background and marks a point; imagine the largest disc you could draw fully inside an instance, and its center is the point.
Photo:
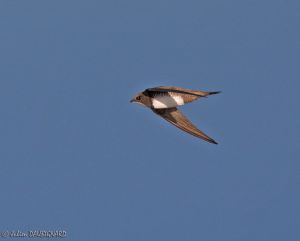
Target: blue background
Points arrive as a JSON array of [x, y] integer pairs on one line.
[[76, 155]]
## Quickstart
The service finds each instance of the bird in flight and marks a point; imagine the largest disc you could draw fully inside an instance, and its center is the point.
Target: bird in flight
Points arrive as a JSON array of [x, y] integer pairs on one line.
[[164, 100]]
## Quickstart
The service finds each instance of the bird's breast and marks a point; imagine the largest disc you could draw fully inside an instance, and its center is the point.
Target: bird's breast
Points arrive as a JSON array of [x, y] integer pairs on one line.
[[166, 101]]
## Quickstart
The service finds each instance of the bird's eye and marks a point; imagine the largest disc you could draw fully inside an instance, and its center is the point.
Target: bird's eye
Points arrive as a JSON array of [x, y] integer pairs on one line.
[[138, 98]]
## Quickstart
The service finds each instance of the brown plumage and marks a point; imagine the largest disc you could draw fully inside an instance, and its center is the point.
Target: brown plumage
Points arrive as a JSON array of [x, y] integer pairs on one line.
[[163, 101], [175, 117]]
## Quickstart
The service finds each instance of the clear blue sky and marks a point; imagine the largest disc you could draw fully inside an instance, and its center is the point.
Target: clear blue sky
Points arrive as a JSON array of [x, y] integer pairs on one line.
[[76, 155]]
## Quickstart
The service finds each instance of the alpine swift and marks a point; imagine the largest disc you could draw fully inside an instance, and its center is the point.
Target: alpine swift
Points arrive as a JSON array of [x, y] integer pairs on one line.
[[164, 100]]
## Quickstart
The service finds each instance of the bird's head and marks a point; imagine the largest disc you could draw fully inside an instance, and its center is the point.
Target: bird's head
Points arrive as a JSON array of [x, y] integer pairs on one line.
[[141, 99]]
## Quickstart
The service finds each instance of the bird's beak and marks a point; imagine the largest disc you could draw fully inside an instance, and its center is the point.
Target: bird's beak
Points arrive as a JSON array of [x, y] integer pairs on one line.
[[132, 100]]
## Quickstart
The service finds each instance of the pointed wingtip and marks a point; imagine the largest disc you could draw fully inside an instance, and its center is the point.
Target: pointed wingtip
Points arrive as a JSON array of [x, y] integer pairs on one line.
[[210, 140], [213, 142], [214, 92]]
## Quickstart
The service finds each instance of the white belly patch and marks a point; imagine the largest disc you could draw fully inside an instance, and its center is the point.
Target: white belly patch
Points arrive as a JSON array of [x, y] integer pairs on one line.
[[162, 102]]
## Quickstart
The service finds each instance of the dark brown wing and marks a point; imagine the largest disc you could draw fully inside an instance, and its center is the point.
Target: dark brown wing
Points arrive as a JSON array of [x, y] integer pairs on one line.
[[198, 93], [175, 117]]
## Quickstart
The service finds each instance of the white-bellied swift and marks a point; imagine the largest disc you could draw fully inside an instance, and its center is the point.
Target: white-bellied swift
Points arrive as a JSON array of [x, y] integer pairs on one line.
[[163, 101]]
